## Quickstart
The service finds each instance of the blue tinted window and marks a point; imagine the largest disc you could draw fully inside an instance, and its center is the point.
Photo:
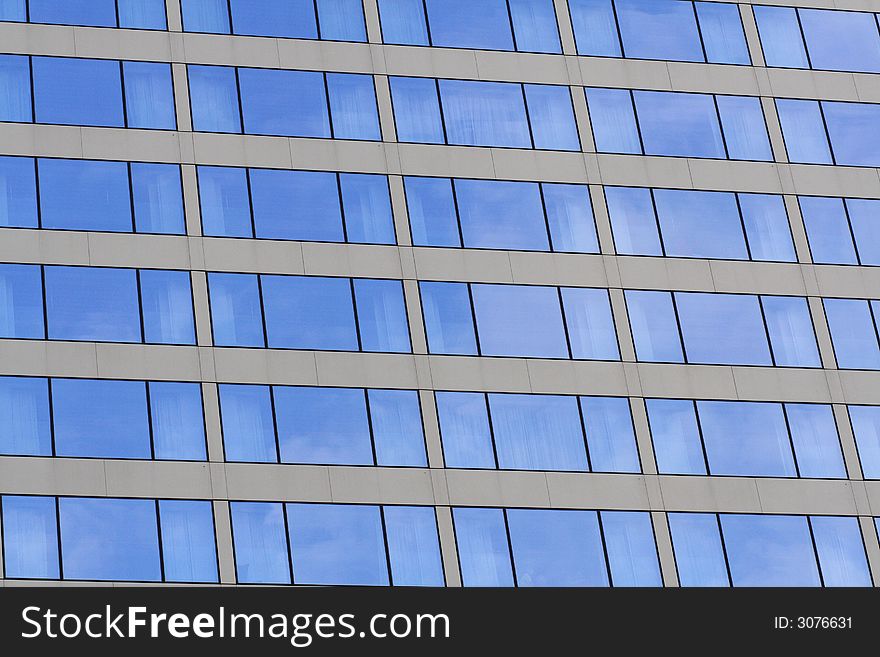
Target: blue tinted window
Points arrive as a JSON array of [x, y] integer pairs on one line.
[[722, 328], [13, 10], [236, 312], [417, 110], [213, 92], [78, 91], [342, 20], [613, 119], [149, 97], [296, 205], [519, 320], [852, 129], [591, 332], [464, 426], [166, 299], [746, 439], [260, 539], [158, 198], [676, 436], [403, 21], [248, 424], [106, 419], [431, 209], [101, 13], [353, 106], [865, 422], [292, 18], [842, 40], [177, 420], [815, 440], [632, 552], [654, 326], [804, 131], [557, 548], [322, 425], [470, 24], [538, 432], [769, 550], [745, 131], [309, 313], [722, 31], [15, 89], [88, 303], [841, 551], [367, 205], [142, 14], [381, 315], [30, 538], [699, 554], [188, 545], [396, 419], [448, 319], [595, 27], [18, 192], [534, 25], [285, 103], [551, 115], [791, 331], [700, 224], [501, 215], [864, 217], [633, 221], [659, 30], [679, 124], [21, 302], [85, 195], [225, 203], [337, 544], [483, 550], [413, 546], [24, 407], [781, 37], [853, 334], [767, 228], [205, 16], [570, 217], [107, 539], [484, 114], [610, 436]]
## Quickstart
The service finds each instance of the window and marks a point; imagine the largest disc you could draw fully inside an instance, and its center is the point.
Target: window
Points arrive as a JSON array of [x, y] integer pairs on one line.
[[137, 14], [338, 20], [825, 132], [296, 205], [308, 312], [542, 547], [729, 329], [494, 214], [771, 550], [471, 113], [696, 224], [284, 103], [819, 38], [865, 421], [853, 333], [678, 124], [537, 432], [18, 193], [660, 29], [339, 426], [336, 544], [105, 539], [574, 322], [524, 25], [749, 439]]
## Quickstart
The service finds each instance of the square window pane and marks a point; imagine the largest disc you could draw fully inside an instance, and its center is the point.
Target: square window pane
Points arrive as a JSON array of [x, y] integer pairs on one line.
[[483, 550], [213, 92], [413, 546], [166, 299], [590, 325], [864, 218], [205, 16], [70, 91], [248, 423], [654, 326], [852, 333], [632, 552], [767, 228], [366, 201], [700, 224], [431, 208], [403, 22], [534, 25], [225, 202], [595, 27], [613, 119], [570, 217], [781, 37], [804, 131], [633, 221], [815, 439], [851, 127], [396, 419], [381, 316], [610, 436], [485, 114], [659, 30], [865, 422], [21, 302], [85, 195], [699, 554], [745, 130], [188, 544], [501, 215], [158, 198], [551, 115], [841, 551], [142, 14], [260, 539], [149, 96], [723, 329], [178, 421], [519, 320], [722, 31], [679, 124], [353, 106], [284, 103], [465, 431], [791, 332], [236, 311], [417, 110], [342, 20], [841, 40], [296, 205], [484, 24], [449, 321], [675, 433]]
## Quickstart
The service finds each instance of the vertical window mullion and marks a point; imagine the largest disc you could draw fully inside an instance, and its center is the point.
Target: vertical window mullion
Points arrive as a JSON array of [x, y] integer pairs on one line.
[[328, 104], [742, 223], [131, 196], [720, 126], [427, 25], [240, 102], [522, 88], [617, 27], [797, 14], [724, 549], [51, 415], [124, 102], [678, 325], [701, 437], [816, 551], [38, 192], [510, 548], [440, 107], [491, 429], [474, 319], [457, 213], [58, 534], [632, 100], [262, 311], [150, 421], [317, 18], [584, 432], [767, 330], [827, 133], [342, 207], [278, 458], [288, 542], [546, 218], [657, 221], [250, 193], [140, 299], [794, 459], [510, 21], [357, 321], [565, 322], [159, 541], [700, 31], [370, 426], [385, 544], [604, 548]]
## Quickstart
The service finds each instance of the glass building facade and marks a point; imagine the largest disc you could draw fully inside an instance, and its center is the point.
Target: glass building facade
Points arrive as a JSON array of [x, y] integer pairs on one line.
[[440, 292]]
